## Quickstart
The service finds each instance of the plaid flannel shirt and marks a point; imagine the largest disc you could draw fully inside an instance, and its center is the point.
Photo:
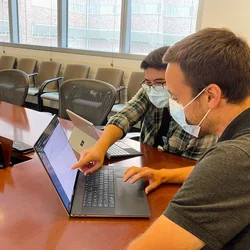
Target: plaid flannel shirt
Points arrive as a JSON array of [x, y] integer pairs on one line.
[[176, 141]]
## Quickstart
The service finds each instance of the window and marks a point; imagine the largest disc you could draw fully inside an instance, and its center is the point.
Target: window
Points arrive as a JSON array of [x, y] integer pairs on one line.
[[43, 31], [4, 21], [38, 22], [156, 23], [77, 7], [45, 3], [94, 25]]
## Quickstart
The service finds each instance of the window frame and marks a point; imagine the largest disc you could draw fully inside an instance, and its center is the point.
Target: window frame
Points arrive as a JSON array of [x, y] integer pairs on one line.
[[62, 31]]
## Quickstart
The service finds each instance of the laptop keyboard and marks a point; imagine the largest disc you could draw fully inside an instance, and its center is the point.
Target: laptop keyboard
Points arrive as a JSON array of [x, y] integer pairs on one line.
[[115, 150], [99, 189]]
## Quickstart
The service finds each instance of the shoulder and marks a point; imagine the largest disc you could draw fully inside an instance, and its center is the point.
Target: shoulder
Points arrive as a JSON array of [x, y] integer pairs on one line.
[[236, 148]]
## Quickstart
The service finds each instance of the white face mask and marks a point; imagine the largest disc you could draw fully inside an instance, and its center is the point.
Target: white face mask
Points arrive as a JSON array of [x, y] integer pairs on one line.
[[159, 98], [177, 112]]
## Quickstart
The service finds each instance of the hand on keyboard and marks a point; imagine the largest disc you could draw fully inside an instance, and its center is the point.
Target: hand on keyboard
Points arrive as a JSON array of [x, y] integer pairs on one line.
[[90, 160], [155, 177]]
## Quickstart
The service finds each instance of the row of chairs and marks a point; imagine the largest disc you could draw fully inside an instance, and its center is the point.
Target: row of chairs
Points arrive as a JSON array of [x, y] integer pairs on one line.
[[50, 70], [90, 98], [46, 83]]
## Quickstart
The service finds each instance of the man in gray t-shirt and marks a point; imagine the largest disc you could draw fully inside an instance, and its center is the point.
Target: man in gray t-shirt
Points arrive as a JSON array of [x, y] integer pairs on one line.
[[208, 76]]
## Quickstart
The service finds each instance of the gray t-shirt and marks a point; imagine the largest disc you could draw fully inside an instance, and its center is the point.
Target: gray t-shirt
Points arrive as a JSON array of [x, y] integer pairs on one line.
[[214, 202]]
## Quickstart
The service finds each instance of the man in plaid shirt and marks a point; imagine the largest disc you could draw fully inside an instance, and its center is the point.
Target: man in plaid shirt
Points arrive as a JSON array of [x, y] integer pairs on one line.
[[175, 140], [158, 129]]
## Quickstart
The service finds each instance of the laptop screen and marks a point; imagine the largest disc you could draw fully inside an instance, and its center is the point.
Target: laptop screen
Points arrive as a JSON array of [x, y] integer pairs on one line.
[[57, 156]]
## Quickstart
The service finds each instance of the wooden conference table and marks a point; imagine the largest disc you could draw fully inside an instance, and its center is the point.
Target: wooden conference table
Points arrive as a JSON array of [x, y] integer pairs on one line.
[[31, 213]]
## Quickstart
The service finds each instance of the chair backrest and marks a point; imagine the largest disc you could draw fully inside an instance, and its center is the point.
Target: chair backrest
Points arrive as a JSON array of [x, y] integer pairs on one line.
[[48, 70], [14, 86], [73, 71], [134, 82], [7, 62], [110, 75], [89, 98], [27, 65]]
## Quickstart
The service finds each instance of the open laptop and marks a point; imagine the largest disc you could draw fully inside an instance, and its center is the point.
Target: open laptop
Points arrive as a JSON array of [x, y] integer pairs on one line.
[[85, 134], [102, 194]]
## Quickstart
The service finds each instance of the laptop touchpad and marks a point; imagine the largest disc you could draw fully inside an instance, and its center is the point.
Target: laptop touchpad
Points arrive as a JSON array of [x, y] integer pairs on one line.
[[126, 189], [130, 197]]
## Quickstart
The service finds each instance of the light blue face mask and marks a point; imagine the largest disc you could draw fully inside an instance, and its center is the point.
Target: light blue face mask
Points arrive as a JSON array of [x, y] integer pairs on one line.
[[159, 97], [177, 112]]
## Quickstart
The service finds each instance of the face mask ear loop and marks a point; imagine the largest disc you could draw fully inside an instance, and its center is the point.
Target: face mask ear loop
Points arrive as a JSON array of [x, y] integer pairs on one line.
[[204, 117], [195, 98]]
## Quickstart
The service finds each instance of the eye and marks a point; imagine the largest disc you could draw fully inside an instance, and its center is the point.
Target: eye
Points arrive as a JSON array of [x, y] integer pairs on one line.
[[159, 83], [148, 83]]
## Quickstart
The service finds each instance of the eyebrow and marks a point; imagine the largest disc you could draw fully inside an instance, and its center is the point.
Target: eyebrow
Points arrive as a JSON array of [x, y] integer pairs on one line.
[[155, 79]]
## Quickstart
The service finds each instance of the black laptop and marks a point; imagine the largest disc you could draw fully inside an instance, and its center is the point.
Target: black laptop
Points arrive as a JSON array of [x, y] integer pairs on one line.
[[102, 194]]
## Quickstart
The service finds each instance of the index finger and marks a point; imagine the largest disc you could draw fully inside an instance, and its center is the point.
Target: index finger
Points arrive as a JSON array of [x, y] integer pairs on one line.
[[83, 161]]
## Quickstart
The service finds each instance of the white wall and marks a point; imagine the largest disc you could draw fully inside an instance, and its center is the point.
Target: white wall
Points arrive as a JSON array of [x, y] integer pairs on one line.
[[232, 14]]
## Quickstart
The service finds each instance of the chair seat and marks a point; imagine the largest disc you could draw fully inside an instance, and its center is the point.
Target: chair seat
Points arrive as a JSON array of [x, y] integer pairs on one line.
[[33, 91], [53, 96], [117, 108]]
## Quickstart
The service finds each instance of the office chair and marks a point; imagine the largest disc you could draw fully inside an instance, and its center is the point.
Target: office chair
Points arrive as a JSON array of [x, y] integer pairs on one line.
[[28, 65], [7, 62], [48, 74], [14, 86], [134, 82], [89, 98], [113, 77], [72, 71]]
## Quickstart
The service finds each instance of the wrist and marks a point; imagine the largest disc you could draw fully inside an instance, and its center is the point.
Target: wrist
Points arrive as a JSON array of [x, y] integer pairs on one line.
[[164, 175], [101, 148]]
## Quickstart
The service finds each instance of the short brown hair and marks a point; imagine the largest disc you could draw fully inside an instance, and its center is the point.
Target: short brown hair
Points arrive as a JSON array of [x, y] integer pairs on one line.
[[154, 59], [214, 56]]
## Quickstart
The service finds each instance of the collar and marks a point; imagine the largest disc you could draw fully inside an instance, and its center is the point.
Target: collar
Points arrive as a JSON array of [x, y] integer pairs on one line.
[[239, 126]]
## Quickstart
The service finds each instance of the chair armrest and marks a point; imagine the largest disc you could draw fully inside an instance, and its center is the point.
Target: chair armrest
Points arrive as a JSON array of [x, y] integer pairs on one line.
[[32, 74], [34, 79], [46, 83], [120, 88]]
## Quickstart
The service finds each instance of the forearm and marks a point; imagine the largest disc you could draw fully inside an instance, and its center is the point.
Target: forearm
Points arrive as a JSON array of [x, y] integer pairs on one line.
[[176, 176], [109, 136]]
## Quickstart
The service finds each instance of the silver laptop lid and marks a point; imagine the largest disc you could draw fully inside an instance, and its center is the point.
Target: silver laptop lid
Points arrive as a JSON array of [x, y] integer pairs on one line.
[[83, 124], [57, 156]]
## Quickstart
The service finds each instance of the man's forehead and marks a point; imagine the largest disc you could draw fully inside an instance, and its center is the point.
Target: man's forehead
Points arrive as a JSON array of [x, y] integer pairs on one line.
[[174, 75]]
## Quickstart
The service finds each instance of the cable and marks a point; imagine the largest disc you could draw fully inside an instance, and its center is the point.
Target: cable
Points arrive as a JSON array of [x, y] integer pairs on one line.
[[51, 30], [25, 21], [113, 40], [3, 30]]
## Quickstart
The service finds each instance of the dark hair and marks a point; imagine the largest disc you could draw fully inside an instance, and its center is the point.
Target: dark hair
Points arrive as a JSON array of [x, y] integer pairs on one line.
[[154, 59], [214, 56]]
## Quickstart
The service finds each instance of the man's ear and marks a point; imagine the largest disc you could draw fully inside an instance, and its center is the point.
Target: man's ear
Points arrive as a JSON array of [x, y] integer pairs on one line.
[[214, 95]]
